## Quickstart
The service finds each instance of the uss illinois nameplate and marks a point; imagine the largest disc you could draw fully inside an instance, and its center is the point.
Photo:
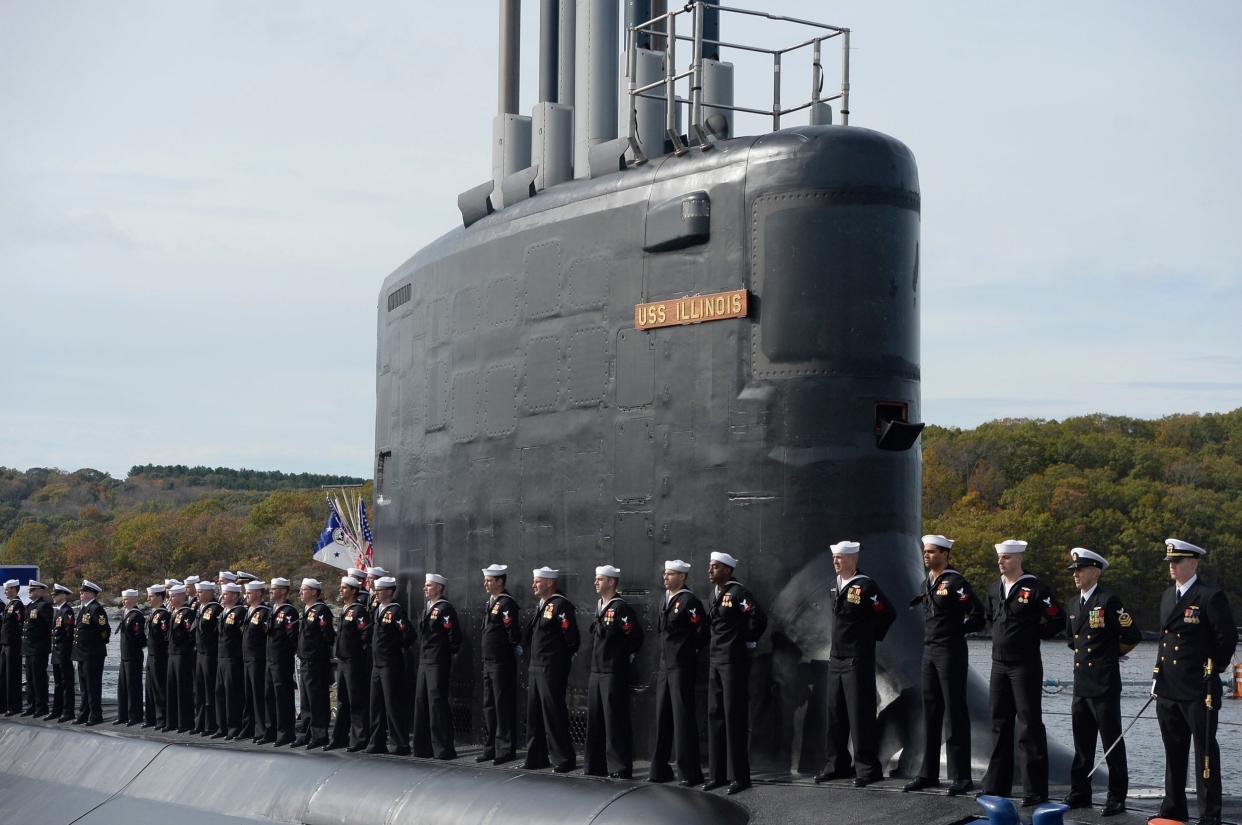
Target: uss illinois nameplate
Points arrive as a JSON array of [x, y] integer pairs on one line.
[[693, 309]]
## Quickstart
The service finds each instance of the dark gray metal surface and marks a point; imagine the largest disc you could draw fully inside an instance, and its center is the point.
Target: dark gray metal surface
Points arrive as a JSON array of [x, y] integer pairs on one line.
[[529, 423], [52, 775]]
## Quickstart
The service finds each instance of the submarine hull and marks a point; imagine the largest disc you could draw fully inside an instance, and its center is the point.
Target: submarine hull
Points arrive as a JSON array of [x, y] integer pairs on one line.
[[523, 418]]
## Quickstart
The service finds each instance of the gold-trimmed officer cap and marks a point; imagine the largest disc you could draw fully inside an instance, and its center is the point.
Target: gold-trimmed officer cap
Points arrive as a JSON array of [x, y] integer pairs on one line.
[[1177, 549]]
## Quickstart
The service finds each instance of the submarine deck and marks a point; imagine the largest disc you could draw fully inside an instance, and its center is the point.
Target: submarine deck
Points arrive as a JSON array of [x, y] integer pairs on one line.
[[774, 800]]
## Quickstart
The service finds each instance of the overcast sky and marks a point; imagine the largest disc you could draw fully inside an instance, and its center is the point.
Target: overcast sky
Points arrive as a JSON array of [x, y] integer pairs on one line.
[[199, 201]]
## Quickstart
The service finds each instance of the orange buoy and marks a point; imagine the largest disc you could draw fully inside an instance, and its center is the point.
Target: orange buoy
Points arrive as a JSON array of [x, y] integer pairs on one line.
[[1237, 681]]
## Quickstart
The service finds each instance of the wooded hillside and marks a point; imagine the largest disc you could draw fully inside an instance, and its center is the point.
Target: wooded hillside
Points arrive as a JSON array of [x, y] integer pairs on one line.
[[1117, 485], [161, 521]]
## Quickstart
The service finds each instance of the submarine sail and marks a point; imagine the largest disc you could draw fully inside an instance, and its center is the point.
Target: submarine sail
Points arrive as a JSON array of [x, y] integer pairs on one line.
[[699, 342]]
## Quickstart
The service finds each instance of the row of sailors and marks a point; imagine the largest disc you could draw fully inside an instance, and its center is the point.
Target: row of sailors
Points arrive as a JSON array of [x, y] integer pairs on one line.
[[225, 669], [1198, 636]]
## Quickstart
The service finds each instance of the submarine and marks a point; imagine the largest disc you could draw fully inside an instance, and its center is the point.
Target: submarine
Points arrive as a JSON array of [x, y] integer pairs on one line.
[[648, 338], [651, 339]]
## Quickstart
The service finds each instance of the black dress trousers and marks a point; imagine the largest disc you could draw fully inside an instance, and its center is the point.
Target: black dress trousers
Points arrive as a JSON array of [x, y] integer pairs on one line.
[[499, 709], [129, 690], [1092, 717], [1015, 690], [547, 718], [851, 714], [388, 708], [677, 722], [352, 725], [610, 740], [36, 683], [944, 690], [728, 721], [179, 700], [155, 690]]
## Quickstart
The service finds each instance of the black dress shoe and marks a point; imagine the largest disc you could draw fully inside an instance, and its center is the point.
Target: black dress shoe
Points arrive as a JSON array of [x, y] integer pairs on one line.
[[121, 722], [194, 731], [828, 776], [919, 783], [374, 749], [133, 724], [712, 785], [1113, 807], [448, 757], [1075, 801], [737, 787], [534, 766], [565, 767], [218, 735], [300, 742], [621, 775], [400, 752], [283, 742], [50, 717], [146, 725], [332, 746], [316, 743], [28, 712], [864, 781], [961, 787], [1208, 820], [1033, 799], [94, 723], [485, 757], [504, 758], [354, 748], [661, 778]]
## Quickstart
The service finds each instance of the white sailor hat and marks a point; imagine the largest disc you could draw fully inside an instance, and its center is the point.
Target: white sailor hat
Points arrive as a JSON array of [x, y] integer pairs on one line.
[[60, 588], [1178, 549], [545, 572], [1082, 557], [208, 586], [12, 583], [385, 583], [350, 581], [845, 548], [177, 590], [35, 584], [189, 580], [312, 583], [496, 570], [1010, 547], [231, 587], [227, 575], [243, 577], [171, 582], [280, 581], [87, 584], [435, 578], [257, 584], [376, 571], [157, 590], [357, 573], [724, 558], [608, 570], [938, 540], [677, 566], [130, 593]]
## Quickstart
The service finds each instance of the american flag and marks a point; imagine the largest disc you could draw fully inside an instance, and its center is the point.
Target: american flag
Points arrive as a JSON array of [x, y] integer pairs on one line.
[[367, 551]]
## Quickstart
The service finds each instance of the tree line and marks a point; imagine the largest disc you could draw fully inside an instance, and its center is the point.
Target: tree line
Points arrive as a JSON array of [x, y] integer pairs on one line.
[[1116, 485]]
